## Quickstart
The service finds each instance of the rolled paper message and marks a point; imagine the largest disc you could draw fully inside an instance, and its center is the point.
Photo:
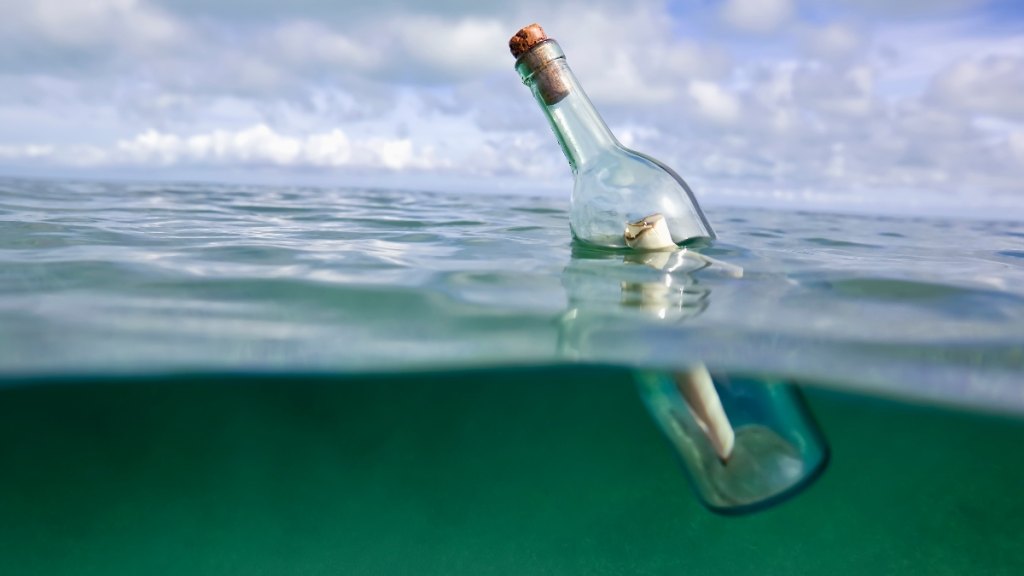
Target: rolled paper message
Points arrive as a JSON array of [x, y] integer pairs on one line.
[[698, 389], [649, 233]]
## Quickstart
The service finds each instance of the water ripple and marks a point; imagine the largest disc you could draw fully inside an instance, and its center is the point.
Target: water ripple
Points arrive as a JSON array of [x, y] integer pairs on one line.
[[97, 276]]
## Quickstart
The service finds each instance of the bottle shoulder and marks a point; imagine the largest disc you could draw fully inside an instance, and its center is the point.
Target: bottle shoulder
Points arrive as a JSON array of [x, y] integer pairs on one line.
[[620, 157], [626, 186], [624, 169]]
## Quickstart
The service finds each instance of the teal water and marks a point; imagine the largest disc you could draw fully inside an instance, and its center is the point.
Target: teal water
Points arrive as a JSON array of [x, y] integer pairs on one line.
[[201, 379], [514, 471]]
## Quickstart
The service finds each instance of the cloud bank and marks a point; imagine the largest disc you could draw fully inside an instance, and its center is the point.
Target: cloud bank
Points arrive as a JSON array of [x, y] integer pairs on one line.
[[754, 99]]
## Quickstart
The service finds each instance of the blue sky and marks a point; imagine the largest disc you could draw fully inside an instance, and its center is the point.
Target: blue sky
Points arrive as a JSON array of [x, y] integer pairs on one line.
[[857, 103]]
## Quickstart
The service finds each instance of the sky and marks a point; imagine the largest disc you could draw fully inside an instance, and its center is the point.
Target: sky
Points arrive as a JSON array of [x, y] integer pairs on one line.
[[915, 105]]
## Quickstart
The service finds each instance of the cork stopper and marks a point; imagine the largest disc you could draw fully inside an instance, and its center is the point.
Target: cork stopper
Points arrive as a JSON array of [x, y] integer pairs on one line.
[[534, 53], [526, 38]]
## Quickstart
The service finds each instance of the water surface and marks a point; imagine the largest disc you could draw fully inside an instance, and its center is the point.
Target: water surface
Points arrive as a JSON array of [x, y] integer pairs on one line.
[[116, 278], [201, 379]]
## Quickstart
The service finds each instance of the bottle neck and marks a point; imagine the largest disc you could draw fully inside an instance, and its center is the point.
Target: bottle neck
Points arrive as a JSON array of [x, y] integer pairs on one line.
[[580, 130]]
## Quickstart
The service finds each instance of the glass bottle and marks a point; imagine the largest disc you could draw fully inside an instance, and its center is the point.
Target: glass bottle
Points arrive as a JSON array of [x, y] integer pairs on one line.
[[620, 197], [746, 442]]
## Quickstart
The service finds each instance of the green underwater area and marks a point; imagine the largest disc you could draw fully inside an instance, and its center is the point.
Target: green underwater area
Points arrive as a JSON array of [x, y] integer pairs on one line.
[[544, 470], [210, 379]]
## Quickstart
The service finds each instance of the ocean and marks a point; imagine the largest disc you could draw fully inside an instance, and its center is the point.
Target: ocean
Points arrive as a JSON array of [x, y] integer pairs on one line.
[[225, 379]]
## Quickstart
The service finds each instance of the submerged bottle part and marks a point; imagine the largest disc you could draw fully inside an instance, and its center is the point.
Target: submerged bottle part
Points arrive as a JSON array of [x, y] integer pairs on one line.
[[617, 192], [745, 443]]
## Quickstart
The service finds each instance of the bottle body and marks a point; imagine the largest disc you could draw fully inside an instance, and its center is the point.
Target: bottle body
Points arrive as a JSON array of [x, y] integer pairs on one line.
[[614, 186], [627, 187], [746, 442]]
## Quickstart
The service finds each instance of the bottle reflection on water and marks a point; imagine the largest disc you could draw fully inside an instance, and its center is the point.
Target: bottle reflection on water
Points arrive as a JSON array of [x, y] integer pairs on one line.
[[673, 293], [745, 442], [612, 294]]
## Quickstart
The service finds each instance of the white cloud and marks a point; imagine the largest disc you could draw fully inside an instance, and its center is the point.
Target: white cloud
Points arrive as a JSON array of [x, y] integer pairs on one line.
[[260, 145], [831, 91], [757, 15], [909, 55], [25, 152], [1016, 143], [302, 43], [714, 102], [988, 85], [836, 41], [96, 22], [468, 46], [845, 103], [632, 57], [904, 9], [622, 82]]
